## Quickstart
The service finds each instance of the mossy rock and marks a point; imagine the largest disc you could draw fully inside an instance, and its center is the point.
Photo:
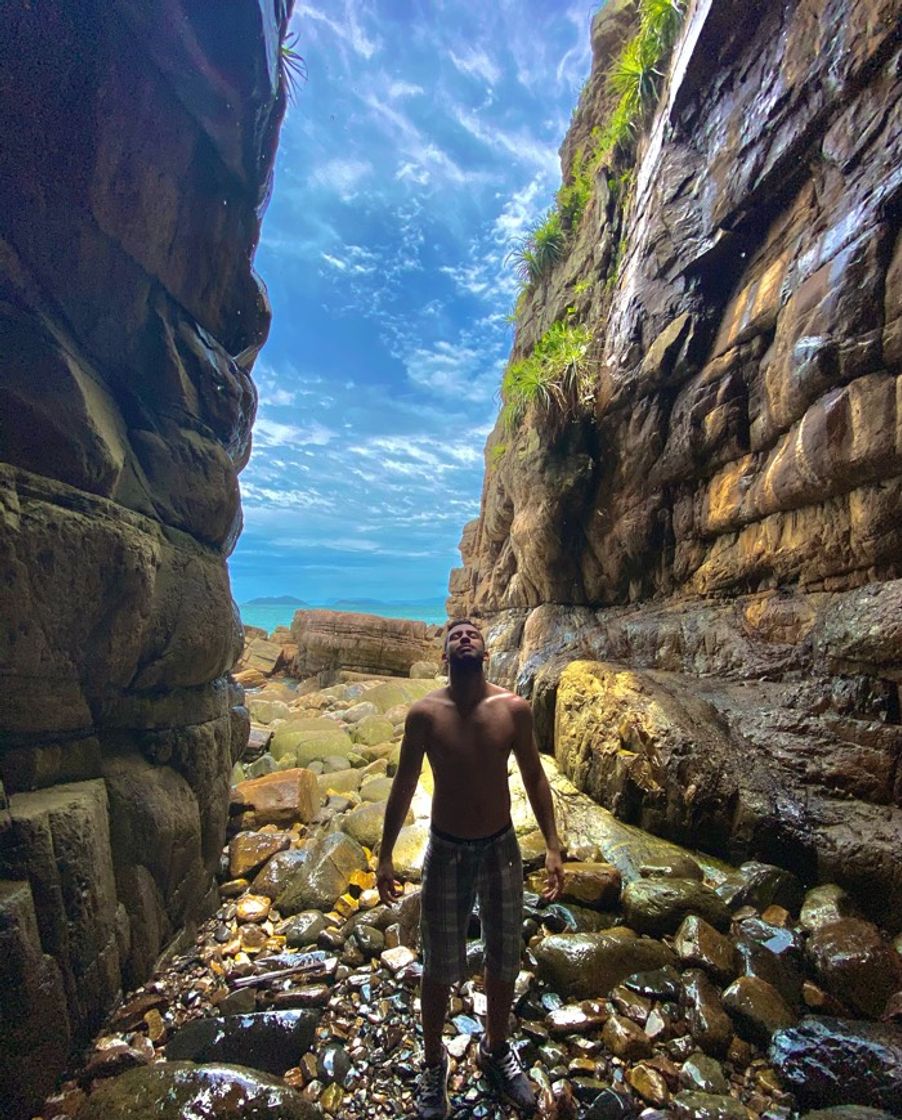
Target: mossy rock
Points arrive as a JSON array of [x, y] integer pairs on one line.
[[389, 694], [303, 745], [372, 730], [172, 1090]]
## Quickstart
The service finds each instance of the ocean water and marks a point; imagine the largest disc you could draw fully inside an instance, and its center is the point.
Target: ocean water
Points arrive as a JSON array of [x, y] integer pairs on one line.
[[270, 615]]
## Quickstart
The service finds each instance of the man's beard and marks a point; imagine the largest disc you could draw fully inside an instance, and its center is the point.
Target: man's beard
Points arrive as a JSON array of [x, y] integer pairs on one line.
[[467, 661]]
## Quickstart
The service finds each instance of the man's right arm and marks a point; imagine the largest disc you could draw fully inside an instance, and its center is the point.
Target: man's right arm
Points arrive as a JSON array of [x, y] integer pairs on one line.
[[413, 747]]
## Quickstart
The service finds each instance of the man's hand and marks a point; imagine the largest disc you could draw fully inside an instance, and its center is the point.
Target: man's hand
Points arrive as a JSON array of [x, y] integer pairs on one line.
[[388, 886], [554, 871]]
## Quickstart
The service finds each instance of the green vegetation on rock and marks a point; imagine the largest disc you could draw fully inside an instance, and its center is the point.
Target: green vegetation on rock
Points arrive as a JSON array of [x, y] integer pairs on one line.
[[554, 377], [634, 80]]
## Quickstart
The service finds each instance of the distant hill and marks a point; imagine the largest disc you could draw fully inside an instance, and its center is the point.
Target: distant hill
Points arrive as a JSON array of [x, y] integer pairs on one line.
[[276, 601], [344, 604]]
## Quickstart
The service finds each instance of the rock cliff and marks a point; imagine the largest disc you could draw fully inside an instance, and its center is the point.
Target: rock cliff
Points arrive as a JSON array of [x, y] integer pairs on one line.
[[716, 531], [135, 163]]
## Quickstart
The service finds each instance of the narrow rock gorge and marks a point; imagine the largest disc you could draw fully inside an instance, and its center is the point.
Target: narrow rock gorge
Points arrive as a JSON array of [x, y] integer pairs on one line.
[[694, 570], [138, 145]]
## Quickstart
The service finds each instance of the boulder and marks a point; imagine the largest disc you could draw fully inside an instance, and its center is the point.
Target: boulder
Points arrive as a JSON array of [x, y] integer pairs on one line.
[[372, 730], [282, 798], [361, 643], [657, 906], [324, 876], [596, 885], [249, 851], [295, 745], [173, 1090], [758, 1008], [424, 670], [365, 823], [855, 964], [588, 965], [826, 1061]]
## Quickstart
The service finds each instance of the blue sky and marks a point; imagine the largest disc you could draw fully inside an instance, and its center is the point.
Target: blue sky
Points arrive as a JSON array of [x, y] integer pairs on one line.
[[424, 142]]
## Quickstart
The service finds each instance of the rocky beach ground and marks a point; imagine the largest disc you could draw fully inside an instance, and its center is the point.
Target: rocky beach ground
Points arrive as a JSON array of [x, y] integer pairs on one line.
[[695, 990]]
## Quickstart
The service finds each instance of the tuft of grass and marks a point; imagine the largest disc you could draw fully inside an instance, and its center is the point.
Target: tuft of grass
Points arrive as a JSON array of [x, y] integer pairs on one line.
[[292, 67], [538, 252], [553, 378], [499, 450], [573, 196]]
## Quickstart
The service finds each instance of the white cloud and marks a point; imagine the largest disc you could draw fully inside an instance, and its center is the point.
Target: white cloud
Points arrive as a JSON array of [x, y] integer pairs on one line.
[[404, 89], [272, 433], [346, 28], [475, 63], [341, 176], [521, 145]]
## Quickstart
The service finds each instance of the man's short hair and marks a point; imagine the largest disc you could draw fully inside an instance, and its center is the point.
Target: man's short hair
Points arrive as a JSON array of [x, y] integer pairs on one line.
[[459, 622]]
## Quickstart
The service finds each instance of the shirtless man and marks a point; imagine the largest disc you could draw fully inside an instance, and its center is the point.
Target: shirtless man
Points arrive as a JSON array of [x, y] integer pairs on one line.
[[468, 731]]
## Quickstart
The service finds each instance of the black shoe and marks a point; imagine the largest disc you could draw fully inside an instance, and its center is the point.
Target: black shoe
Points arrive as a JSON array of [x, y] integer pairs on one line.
[[611, 1105], [507, 1077], [432, 1092]]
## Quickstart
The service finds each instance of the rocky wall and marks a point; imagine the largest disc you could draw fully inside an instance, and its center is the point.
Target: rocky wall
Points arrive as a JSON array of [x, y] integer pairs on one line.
[[742, 454], [135, 162], [362, 643]]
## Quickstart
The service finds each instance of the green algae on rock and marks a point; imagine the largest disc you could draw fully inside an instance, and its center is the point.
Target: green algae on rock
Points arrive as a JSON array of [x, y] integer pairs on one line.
[[178, 1090]]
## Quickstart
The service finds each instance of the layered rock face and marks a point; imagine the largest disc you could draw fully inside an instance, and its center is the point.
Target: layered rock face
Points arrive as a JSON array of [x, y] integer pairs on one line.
[[729, 508], [137, 151], [362, 643]]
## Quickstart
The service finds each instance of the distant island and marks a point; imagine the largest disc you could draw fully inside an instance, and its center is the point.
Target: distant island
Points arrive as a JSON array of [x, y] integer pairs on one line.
[[276, 601]]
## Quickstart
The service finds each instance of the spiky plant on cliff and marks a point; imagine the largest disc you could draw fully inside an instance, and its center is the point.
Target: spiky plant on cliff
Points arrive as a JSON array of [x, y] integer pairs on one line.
[[292, 67], [554, 377], [538, 252]]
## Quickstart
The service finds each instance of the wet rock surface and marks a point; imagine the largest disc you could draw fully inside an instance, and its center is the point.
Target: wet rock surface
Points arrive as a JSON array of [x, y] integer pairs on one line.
[[609, 1022]]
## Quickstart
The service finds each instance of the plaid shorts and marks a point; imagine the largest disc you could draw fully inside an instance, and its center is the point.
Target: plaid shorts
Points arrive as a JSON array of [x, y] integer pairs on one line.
[[454, 873]]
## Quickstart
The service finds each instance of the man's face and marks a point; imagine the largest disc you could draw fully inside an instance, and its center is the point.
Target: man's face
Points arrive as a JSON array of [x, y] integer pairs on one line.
[[464, 643]]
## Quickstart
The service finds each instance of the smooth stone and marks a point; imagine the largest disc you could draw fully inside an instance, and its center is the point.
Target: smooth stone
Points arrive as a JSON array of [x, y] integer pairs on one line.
[[265, 1040], [624, 1039], [758, 1007], [762, 885], [697, 943], [365, 823], [576, 1018], [325, 876], [370, 940], [377, 789], [372, 730], [261, 766], [658, 906], [704, 1074], [272, 879], [660, 983], [709, 1024], [561, 917], [826, 1061], [649, 1083], [333, 1063], [303, 929], [410, 851], [240, 1002], [689, 1105], [344, 780], [357, 711], [782, 969], [824, 905], [595, 885], [174, 1090], [588, 965], [855, 964], [253, 908]]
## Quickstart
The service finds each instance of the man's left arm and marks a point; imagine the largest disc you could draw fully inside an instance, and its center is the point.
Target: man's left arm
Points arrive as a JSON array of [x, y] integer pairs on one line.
[[539, 793]]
